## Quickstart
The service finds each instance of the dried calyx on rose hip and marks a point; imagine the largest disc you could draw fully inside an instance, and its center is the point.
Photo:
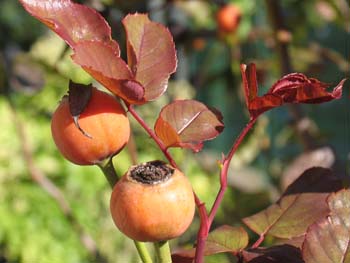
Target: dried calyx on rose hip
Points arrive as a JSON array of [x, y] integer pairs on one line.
[[98, 130], [152, 202]]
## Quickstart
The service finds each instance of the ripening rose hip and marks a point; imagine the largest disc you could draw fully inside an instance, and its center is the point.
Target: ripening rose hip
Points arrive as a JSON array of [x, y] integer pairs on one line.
[[103, 118], [228, 18], [152, 202]]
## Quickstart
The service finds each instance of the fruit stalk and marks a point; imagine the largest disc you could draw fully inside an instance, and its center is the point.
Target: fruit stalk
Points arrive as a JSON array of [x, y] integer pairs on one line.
[[108, 170], [162, 250]]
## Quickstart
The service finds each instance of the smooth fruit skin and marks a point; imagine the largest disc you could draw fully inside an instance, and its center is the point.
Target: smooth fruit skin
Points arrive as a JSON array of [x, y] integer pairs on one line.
[[103, 118], [228, 18], [151, 213]]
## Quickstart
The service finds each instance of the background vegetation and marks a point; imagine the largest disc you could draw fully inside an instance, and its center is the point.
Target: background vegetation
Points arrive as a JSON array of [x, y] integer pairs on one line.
[[54, 211]]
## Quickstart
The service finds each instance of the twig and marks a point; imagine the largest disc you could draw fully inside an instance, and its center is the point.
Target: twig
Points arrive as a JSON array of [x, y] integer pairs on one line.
[[207, 220]]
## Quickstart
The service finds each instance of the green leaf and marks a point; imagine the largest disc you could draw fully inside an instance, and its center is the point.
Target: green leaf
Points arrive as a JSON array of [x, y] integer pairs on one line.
[[226, 239]]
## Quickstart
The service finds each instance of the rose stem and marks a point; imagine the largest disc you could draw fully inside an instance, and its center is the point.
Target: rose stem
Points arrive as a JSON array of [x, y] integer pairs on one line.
[[204, 228]]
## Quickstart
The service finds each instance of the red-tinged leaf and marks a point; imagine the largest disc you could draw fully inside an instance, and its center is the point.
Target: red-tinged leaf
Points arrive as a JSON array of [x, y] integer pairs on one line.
[[151, 53], [187, 123], [265, 103], [280, 254], [328, 240], [102, 62], [73, 22], [297, 88], [303, 202], [250, 83], [292, 88]]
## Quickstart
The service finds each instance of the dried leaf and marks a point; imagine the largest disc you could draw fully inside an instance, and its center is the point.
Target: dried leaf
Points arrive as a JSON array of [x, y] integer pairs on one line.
[[78, 97], [328, 240], [73, 22], [303, 202], [103, 63], [282, 253], [187, 123], [292, 88], [151, 54]]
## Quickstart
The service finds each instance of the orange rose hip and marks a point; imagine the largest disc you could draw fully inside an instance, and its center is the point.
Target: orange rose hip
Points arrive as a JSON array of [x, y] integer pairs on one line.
[[152, 202], [103, 118], [228, 18]]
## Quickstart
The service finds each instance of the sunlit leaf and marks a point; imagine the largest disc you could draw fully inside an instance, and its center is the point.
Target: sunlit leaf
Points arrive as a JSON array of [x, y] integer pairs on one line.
[[303, 202], [328, 240], [73, 22], [151, 53], [223, 239], [102, 62], [226, 239], [283, 253], [292, 88], [187, 123], [297, 88]]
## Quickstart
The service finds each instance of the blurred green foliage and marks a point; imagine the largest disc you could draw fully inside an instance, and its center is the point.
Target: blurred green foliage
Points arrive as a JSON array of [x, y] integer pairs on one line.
[[33, 227]]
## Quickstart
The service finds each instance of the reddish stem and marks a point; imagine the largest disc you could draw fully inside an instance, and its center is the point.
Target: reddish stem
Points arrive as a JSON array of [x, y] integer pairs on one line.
[[206, 220], [152, 134], [224, 171], [259, 241], [202, 234]]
